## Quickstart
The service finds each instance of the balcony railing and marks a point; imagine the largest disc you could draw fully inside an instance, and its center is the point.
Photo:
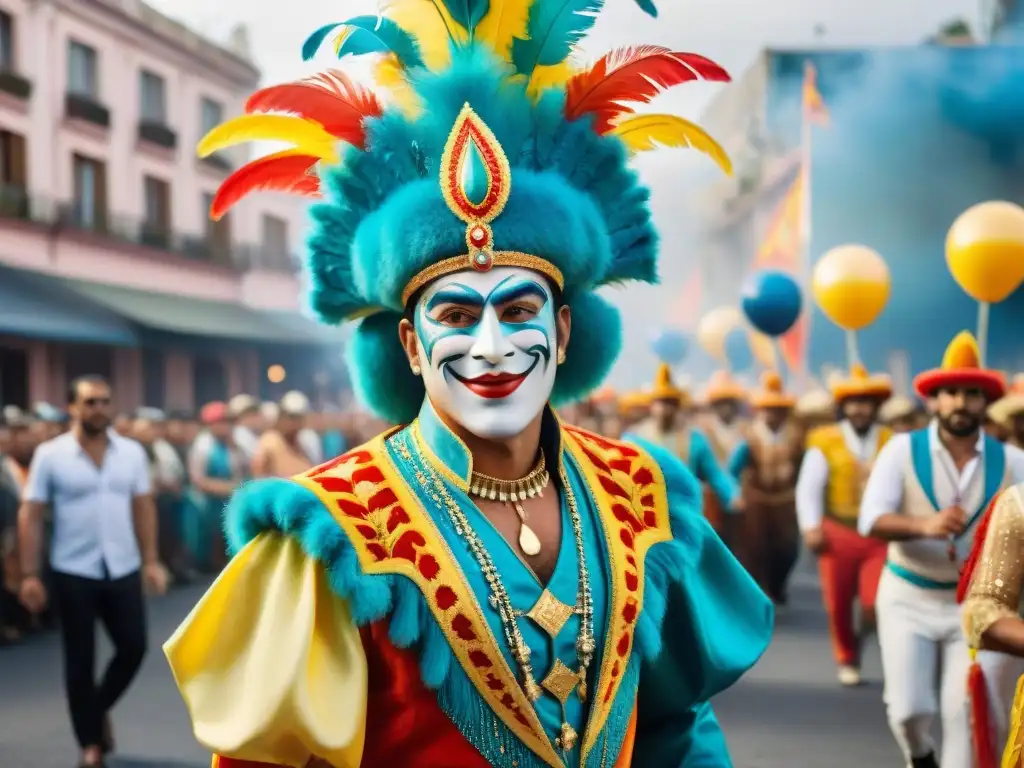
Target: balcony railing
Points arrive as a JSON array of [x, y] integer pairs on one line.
[[16, 204], [85, 108], [157, 133], [15, 85]]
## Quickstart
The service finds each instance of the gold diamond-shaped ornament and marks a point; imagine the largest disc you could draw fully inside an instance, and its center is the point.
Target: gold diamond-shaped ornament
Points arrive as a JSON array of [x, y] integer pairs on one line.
[[561, 682], [550, 614]]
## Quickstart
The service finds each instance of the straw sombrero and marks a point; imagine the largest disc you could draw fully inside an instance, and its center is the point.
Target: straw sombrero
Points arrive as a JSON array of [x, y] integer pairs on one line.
[[771, 393], [721, 386], [895, 408], [665, 388], [1011, 404], [860, 384]]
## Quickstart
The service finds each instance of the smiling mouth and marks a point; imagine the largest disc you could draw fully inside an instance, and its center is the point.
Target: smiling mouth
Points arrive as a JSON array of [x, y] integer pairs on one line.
[[495, 386]]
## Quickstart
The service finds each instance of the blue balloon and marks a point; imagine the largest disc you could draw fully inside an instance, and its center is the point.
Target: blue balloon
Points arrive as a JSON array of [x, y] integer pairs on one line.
[[771, 300], [738, 353], [670, 346]]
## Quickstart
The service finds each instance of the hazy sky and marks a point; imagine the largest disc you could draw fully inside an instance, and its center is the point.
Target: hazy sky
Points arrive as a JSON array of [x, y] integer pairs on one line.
[[731, 32]]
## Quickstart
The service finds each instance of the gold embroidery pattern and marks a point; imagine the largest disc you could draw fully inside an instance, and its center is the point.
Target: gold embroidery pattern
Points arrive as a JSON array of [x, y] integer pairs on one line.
[[385, 524], [549, 613], [629, 490]]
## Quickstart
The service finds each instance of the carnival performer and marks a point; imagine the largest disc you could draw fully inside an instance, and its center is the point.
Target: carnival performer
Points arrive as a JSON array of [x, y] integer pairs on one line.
[[835, 468], [668, 427], [1008, 413], [766, 464], [725, 426], [925, 496], [901, 414], [485, 586], [991, 590]]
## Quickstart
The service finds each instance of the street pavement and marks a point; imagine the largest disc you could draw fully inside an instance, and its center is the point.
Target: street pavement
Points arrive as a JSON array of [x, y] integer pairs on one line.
[[788, 712]]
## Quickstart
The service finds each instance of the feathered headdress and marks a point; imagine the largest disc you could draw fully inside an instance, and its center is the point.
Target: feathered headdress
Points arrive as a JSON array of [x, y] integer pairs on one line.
[[486, 147]]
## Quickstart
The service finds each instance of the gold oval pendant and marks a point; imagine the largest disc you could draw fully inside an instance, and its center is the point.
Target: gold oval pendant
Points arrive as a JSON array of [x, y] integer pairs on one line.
[[528, 541]]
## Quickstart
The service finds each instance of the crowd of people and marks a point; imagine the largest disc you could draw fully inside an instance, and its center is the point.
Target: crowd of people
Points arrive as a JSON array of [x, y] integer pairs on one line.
[[195, 461]]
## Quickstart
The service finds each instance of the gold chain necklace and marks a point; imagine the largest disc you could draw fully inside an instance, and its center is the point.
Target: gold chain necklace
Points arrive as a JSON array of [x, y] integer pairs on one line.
[[500, 601], [514, 492]]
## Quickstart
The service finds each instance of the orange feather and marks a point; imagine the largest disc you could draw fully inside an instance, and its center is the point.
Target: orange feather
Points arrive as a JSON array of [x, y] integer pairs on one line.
[[280, 172], [329, 98], [634, 75]]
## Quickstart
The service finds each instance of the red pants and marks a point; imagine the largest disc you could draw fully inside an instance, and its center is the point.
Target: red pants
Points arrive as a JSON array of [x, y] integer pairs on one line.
[[850, 568]]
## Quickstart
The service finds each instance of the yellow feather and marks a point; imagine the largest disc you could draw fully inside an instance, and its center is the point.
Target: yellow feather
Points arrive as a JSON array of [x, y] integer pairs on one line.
[[545, 78], [390, 75], [341, 37], [505, 20], [643, 132], [432, 26], [304, 135]]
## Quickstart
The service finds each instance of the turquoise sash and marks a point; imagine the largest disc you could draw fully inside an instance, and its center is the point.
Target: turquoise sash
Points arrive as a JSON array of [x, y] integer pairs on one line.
[[993, 465]]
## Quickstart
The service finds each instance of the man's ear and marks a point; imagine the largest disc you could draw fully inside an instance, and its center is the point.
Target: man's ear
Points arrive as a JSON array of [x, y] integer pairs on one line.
[[411, 344], [563, 327]]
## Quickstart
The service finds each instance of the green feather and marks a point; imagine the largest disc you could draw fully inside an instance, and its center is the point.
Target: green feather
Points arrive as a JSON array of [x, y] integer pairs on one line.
[[554, 27], [372, 34]]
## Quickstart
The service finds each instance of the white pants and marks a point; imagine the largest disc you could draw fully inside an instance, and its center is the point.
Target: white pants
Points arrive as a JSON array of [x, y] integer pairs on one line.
[[925, 663]]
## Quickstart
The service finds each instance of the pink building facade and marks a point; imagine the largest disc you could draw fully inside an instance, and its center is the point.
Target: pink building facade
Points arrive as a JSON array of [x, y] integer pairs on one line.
[[103, 207]]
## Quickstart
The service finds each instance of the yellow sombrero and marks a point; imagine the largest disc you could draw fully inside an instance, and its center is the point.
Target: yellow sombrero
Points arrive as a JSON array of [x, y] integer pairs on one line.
[[961, 369], [1011, 404], [861, 384], [771, 393], [722, 386], [664, 388]]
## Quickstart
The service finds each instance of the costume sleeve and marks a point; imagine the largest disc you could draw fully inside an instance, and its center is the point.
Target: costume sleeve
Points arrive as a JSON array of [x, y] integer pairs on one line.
[[717, 624], [271, 665], [883, 494], [739, 460], [710, 471], [995, 590], [810, 490]]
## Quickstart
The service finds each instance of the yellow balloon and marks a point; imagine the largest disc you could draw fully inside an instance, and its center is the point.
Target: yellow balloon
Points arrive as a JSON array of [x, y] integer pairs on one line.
[[985, 250], [762, 348], [715, 326], [851, 285]]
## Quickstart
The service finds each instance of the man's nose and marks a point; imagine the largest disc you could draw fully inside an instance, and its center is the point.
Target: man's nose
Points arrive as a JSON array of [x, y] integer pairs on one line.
[[491, 343]]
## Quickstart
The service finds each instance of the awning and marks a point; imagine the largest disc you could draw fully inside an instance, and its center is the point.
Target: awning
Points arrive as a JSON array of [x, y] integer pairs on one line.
[[197, 317], [35, 305]]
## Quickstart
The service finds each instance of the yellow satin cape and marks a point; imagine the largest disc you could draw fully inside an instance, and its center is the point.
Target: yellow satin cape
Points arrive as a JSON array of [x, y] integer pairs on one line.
[[284, 679]]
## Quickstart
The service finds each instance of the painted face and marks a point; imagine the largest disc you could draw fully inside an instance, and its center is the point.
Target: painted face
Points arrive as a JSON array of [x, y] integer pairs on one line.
[[487, 348]]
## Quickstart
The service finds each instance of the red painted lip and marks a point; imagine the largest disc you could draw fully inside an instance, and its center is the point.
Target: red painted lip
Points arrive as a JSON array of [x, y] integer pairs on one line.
[[494, 386]]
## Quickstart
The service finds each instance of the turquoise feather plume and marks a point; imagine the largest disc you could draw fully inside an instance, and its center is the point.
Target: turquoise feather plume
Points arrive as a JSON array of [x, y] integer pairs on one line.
[[647, 6], [371, 34], [554, 27], [468, 13]]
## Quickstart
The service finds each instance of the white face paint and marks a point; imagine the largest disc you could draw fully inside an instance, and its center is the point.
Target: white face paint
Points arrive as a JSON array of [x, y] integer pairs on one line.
[[487, 348]]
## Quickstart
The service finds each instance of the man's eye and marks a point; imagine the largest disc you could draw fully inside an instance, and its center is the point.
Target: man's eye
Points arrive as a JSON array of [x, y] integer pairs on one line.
[[457, 317], [518, 314]]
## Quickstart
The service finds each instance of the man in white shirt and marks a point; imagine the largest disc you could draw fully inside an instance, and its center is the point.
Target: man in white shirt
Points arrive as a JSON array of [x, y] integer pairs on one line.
[[925, 495], [828, 495], [244, 412], [104, 551]]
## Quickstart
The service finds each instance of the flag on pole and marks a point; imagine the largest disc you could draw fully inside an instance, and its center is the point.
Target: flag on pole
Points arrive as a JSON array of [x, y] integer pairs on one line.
[[782, 250], [815, 111]]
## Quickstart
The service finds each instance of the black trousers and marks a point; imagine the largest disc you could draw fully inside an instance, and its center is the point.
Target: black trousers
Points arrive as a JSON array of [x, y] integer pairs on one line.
[[119, 605]]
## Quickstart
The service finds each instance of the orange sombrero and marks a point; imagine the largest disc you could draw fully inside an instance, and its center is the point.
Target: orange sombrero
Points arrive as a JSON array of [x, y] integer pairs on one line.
[[665, 389], [961, 368], [861, 384], [771, 393], [721, 386]]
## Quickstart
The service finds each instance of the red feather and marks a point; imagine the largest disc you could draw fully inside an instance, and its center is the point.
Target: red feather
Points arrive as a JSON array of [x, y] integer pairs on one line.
[[279, 172], [633, 75], [329, 98], [982, 726]]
